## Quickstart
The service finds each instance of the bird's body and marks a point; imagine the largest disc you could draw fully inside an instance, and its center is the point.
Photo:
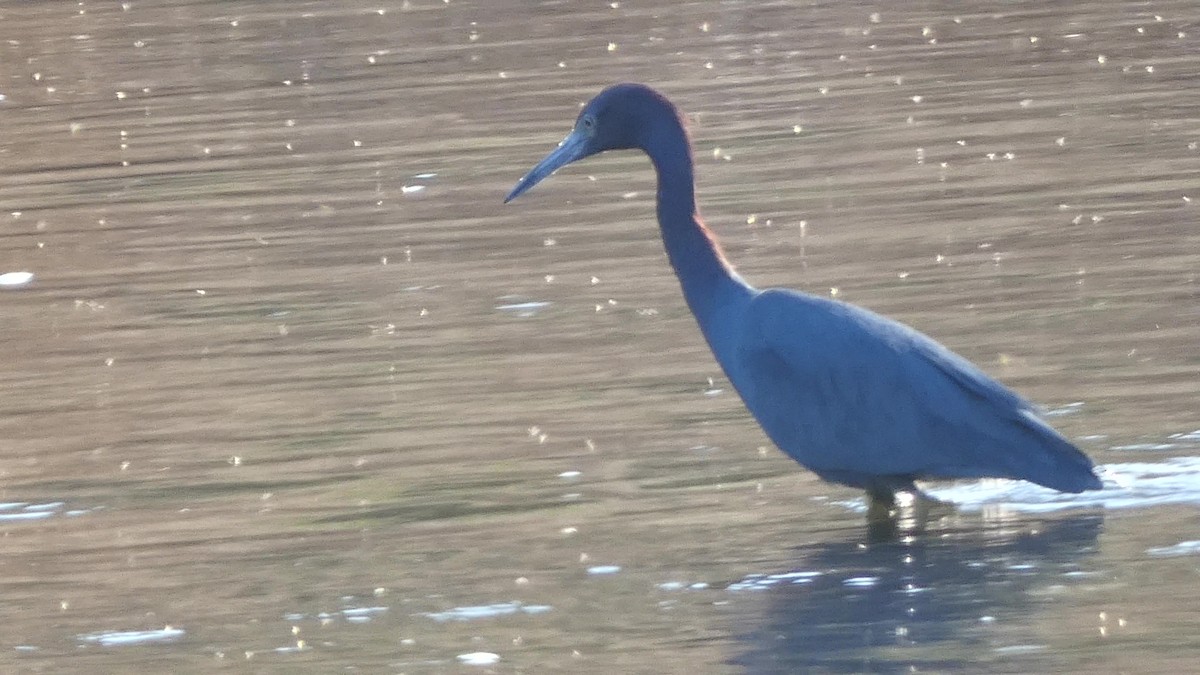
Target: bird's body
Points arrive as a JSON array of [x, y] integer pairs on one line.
[[855, 397]]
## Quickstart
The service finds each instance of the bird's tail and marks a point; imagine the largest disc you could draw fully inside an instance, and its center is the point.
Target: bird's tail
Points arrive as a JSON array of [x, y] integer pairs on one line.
[[1059, 464]]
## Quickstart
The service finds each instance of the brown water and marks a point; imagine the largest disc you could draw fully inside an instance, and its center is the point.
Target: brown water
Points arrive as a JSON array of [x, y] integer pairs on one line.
[[274, 393]]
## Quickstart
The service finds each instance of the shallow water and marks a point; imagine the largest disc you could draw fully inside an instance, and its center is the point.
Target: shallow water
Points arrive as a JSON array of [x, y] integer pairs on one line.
[[289, 387]]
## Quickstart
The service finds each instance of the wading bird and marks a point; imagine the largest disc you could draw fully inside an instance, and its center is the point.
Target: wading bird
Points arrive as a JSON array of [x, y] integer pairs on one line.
[[857, 398]]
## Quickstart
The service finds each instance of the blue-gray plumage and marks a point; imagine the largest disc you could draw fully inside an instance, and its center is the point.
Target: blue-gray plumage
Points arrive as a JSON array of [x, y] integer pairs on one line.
[[855, 397]]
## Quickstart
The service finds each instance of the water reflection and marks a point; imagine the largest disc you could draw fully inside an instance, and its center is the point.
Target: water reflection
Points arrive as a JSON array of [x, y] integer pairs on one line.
[[943, 599]]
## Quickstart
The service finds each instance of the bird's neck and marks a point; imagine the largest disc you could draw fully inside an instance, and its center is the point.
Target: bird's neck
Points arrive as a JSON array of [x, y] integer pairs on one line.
[[707, 278]]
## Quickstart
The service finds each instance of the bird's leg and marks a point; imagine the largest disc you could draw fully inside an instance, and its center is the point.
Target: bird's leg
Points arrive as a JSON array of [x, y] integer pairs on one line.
[[881, 504], [886, 501]]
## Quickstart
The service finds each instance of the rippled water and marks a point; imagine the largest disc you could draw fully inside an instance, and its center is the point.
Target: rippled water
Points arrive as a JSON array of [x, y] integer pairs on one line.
[[286, 386]]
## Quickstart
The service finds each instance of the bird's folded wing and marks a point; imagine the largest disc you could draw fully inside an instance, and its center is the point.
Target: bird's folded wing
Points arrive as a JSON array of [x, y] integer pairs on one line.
[[839, 387]]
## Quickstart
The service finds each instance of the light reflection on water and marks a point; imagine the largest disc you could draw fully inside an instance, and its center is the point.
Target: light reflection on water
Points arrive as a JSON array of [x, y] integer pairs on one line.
[[19, 511], [283, 375]]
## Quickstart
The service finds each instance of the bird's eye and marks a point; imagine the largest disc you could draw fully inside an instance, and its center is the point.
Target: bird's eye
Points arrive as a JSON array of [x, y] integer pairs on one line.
[[587, 123]]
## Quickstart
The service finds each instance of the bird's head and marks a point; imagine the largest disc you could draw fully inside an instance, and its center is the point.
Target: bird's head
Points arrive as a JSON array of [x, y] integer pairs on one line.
[[621, 117]]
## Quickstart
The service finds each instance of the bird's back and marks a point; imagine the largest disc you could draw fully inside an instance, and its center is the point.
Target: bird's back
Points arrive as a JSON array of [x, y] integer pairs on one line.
[[855, 396]]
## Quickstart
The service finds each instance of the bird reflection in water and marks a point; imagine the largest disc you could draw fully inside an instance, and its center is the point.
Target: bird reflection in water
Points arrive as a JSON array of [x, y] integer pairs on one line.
[[950, 599]]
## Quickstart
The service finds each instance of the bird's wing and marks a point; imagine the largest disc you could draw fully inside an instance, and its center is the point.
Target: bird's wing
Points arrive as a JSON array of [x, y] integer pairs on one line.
[[841, 389]]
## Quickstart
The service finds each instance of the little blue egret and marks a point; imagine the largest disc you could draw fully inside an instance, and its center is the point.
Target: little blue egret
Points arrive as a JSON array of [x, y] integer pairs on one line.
[[857, 398]]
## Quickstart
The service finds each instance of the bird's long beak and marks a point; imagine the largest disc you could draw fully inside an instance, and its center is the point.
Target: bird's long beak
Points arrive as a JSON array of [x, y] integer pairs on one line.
[[573, 147]]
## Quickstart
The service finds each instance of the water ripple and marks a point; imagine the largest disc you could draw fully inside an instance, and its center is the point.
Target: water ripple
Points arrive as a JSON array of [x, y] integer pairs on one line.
[[1126, 485], [133, 637], [487, 611], [22, 511]]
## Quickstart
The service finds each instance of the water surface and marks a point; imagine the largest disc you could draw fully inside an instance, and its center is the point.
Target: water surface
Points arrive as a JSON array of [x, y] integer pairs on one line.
[[290, 387]]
